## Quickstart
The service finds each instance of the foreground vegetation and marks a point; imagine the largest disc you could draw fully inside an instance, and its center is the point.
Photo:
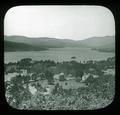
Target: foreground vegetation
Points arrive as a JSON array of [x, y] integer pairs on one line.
[[98, 93]]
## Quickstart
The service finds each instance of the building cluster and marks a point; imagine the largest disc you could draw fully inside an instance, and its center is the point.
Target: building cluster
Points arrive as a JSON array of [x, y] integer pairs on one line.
[[68, 81]]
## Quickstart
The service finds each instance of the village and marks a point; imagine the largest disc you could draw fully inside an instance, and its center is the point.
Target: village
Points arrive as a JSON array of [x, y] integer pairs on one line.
[[61, 85], [66, 81]]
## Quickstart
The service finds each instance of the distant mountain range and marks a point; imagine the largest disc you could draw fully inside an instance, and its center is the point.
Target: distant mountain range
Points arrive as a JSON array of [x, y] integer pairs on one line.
[[22, 43]]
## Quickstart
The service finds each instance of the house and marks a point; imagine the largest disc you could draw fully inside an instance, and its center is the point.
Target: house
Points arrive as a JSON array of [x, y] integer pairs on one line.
[[23, 72], [10, 75], [48, 90], [95, 76], [69, 75], [70, 78], [85, 76], [41, 76], [109, 72], [70, 84], [34, 76], [91, 69], [32, 89], [57, 76]]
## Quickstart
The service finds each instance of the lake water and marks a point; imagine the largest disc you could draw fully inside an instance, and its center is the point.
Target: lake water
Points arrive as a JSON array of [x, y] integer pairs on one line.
[[58, 55]]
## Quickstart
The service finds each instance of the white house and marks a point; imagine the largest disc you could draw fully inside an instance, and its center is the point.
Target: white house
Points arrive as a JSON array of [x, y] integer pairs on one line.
[[85, 76], [70, 78], [32, 89], [95, 76], [10, 75], [49, 89], [57, 76], [23, 72]]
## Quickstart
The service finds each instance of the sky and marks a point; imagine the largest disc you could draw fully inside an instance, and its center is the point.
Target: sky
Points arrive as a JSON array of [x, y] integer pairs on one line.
[[73, 22]]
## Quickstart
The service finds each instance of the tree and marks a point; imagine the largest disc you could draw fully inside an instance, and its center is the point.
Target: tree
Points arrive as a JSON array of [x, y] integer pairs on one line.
[[17, 92], [25, 63], [37, 68], [49, 77], [26, 78], [58, 90], [34, 76], [42, 76], [62, 78], [79, 75], [90, 80]]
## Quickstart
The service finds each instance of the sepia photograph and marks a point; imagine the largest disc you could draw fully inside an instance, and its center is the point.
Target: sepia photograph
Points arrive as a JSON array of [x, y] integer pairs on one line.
[[59, 57]]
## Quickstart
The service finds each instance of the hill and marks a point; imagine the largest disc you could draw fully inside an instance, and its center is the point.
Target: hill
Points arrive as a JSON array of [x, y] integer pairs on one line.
[[106, 43], [42, 41], [106, 48], [94, 42], [14, 46]]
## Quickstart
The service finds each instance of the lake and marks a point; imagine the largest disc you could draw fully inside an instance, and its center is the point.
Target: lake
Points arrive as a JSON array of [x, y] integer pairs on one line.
[[58, 55]]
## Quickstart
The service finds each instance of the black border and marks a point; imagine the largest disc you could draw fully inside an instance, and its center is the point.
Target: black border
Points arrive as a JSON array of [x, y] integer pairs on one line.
[[6, 5]]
